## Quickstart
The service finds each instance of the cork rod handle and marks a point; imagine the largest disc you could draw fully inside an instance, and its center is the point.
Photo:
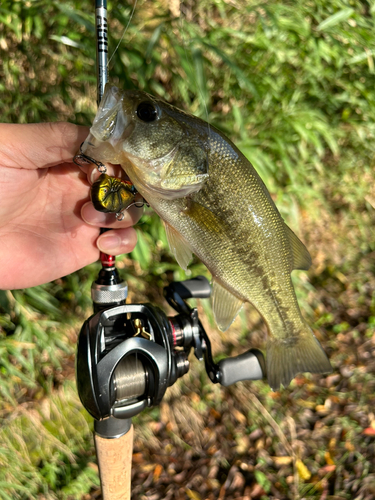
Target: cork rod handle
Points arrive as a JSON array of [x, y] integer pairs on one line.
[[115, 462]]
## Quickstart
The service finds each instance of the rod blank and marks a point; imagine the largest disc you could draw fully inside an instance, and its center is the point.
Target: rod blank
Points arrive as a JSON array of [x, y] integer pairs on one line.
[[101, 47]]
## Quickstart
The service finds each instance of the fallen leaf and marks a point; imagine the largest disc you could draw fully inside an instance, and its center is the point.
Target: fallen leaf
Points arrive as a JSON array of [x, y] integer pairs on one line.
[[193, 495], [302, 470], [369, 431], [259, 445], [349, 446], [332, 444], [327, 469], [282, 460], [328, 458], [239, 416], [215, 414], [257, 491], [243, 444], [147, 468], [212, 450], [137, 458], [321, 410], [158, 470], [274, 395], [195, 397], [306, 404]]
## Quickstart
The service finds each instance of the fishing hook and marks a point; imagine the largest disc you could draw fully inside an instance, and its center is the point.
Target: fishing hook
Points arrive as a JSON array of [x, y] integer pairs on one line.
[[138, 204], [82, 160]]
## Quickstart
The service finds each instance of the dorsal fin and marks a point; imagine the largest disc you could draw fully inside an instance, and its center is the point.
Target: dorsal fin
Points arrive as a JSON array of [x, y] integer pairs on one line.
[[178, 246], [301, 256], [225, 306]]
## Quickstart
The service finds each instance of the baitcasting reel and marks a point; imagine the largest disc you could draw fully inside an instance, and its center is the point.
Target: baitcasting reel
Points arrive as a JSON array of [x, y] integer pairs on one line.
[[128, 355]]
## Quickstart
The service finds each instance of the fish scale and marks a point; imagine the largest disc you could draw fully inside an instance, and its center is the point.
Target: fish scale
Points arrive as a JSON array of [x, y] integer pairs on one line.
[[215, 205]]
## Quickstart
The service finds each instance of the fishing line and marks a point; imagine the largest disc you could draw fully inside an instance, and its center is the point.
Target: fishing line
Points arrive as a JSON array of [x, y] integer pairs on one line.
[[184, 43], [124, 32]]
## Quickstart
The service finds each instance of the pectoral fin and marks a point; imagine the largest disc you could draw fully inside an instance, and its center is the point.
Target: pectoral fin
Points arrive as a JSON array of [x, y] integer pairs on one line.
[[301, 256], [188, 167], [205, 218], [225, 306], [178, 247]]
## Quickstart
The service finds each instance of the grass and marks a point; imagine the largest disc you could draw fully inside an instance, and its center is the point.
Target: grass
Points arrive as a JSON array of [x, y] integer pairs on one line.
[[292, 84], [45, 447]]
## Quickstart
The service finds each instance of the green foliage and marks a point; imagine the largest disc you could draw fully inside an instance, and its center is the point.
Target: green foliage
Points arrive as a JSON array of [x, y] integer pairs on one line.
[[292, 83], [262, 480], [51, 454]]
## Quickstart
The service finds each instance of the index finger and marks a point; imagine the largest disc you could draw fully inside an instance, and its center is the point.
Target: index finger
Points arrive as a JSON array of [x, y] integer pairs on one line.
[[39, 145]]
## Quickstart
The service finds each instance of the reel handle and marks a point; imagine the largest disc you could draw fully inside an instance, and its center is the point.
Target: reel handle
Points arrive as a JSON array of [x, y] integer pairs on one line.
[[247, 366], [196, 288]]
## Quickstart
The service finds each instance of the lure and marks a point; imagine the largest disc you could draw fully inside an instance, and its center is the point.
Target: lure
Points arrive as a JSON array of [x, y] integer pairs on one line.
[[111, 194]]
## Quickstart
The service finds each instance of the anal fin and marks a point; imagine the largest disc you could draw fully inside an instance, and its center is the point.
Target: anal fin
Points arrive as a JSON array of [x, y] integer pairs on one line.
[[225, 306], [178, 247]]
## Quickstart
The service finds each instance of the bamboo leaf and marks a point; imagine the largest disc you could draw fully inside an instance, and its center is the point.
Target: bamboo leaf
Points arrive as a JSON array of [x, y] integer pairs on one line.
[[66, 41], [335, 19], [142, 251]]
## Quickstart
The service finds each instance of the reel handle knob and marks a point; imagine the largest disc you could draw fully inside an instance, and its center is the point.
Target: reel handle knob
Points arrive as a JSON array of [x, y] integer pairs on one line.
[[196, 288], [247, 366]]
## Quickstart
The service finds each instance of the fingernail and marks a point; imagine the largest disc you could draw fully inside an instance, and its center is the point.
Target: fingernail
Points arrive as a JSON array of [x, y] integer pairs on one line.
[[95, 174], [109, 243], [92, 216]]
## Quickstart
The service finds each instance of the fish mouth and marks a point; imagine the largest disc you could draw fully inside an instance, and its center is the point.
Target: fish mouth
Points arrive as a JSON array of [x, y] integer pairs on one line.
[[110, 127]]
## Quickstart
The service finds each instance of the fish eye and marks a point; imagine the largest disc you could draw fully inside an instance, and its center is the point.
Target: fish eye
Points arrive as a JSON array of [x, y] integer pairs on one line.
[[147, 112]]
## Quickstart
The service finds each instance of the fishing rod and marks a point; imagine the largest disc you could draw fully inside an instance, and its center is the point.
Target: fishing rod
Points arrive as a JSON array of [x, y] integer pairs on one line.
[[113, 436], [101, 25], [129, 354]]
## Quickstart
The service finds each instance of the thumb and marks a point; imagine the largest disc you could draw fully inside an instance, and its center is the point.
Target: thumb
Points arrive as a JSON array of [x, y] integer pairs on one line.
[[39, 145]]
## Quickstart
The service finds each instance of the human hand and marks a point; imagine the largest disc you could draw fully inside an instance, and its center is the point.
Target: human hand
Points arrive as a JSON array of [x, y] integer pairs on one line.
[[48, 226]]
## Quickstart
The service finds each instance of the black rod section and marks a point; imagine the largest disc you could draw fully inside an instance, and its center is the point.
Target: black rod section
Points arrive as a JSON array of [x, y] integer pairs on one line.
[[101, 47], [101, 25]]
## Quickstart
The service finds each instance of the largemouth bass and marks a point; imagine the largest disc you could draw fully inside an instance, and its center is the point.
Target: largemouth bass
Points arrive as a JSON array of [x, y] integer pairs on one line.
[[215, 205]]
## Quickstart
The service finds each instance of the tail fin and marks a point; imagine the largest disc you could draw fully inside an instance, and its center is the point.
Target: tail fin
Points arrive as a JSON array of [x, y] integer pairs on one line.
[[289, 356]]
